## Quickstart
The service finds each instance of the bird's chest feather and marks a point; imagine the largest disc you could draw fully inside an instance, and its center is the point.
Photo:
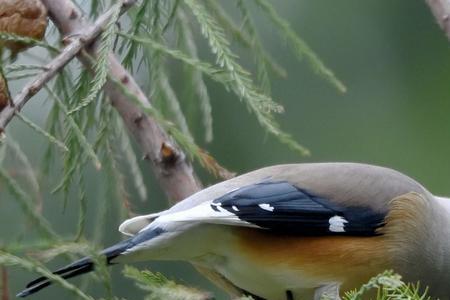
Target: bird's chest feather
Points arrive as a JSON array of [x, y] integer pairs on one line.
[[269, 265], [265, 281]]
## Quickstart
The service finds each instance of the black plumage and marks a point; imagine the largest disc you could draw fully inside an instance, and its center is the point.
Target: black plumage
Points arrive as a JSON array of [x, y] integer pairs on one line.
[[86, 265], [283, 207]]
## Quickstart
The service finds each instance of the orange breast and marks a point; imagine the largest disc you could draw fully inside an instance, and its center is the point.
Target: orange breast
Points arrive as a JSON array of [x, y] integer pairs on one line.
[[348, 260]]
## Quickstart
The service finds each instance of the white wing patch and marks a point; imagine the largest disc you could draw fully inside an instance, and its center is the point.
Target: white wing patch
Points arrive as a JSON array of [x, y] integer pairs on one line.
[[266, 206], [204, 213], [337, 224]]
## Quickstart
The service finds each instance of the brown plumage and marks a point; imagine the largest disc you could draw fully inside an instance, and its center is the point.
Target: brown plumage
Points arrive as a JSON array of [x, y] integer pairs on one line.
[[350, 261], [27, 18]]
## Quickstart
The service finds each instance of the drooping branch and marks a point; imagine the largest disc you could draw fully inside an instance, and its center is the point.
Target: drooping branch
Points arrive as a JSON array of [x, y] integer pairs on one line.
[[441, 11]]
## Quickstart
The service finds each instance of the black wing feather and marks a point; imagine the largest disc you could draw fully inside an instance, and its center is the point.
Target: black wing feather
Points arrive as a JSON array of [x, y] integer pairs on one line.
[[283, 207]]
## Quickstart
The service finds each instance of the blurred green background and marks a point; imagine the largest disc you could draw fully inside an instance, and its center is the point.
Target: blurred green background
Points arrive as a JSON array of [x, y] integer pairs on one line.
[[395, 62]]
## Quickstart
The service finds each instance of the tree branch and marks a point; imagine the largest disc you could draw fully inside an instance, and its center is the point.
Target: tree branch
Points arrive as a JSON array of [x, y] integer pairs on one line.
[[441, 11], [174, 173], [77, 43]]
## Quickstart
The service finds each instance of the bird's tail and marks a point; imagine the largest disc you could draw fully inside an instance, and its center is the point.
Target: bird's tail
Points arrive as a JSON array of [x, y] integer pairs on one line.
[[84, 265]]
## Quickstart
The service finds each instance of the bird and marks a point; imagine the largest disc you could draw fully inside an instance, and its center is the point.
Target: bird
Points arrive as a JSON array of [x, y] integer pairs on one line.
[[296, 231]]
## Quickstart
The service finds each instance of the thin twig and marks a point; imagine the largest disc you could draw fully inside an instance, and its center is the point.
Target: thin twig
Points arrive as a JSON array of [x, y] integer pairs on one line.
[[77, 42]]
